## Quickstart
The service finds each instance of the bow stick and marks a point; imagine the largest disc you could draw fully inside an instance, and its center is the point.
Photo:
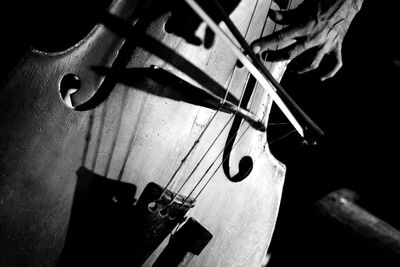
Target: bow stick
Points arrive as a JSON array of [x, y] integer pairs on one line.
[[258, 70]]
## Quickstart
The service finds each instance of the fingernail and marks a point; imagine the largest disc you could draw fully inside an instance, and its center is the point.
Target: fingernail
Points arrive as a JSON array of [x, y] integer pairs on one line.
[[256, 49]]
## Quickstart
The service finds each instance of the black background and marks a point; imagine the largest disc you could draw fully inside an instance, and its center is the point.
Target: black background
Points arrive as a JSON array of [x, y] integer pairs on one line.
[[357, 109]]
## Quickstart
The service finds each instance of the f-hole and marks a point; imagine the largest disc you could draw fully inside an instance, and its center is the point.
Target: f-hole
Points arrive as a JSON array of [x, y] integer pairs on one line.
[[245, 167], [246, 163], [69, 84]]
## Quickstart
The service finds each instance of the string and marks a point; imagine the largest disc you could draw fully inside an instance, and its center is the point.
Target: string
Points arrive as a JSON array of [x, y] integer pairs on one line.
[[215, 139], [269, 68], [223, 149], [209, 148], [102, 122], [215, 171], [187, 156], [281, 137], [198, 141], [205, 153], [264, 59], [225, 158], [251, 67], [195, 144], [232, 27]]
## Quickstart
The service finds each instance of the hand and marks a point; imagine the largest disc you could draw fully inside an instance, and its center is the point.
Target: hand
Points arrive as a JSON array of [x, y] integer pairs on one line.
[[316, 26]]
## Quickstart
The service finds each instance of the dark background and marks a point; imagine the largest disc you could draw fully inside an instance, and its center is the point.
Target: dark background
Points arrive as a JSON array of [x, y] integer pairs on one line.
[[357, 109]]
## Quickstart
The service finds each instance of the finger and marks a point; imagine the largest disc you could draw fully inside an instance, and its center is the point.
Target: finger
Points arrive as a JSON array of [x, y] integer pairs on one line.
[[337, 54], [287, 53], [316, 61], [284, 17], [272, 40]]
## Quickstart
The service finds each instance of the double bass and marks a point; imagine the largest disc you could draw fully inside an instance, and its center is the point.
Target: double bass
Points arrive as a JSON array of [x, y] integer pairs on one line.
[[135, 147]]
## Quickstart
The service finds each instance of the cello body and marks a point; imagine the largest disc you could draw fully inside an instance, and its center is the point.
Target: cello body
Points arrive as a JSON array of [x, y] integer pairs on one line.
[[64, 166]]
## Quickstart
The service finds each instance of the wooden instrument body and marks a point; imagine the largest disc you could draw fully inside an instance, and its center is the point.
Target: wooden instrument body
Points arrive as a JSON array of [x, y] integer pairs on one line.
[[136, 135]]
